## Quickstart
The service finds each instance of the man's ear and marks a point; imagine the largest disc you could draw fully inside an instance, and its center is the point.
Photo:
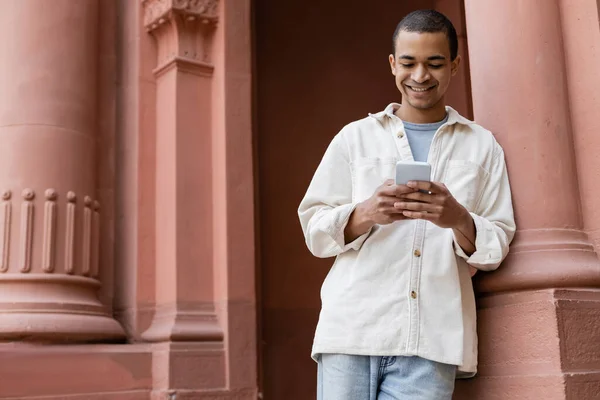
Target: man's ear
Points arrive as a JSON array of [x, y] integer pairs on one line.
[[455, 64], [392, 60]]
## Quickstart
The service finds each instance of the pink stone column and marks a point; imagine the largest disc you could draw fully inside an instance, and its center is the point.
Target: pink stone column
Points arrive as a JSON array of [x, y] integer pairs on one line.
[[459, 92], [534, 311], [582, 53], [49, 213], [185, 324], [581, 40]]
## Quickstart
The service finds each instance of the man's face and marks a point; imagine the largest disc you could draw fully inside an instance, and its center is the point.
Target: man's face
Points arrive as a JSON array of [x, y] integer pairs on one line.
[[423, 68]]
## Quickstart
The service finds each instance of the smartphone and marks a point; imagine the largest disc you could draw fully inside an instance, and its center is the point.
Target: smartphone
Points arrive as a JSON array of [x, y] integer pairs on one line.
[[407, 171]]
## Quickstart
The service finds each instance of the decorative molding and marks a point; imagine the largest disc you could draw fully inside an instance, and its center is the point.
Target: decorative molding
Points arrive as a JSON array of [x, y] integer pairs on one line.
[[38, 239], [5, 231], [87, 237], [183, 29], [173, 324], [193, 67], [544, 259], [48, 250], [26, 245], [96, 240], [70, 234], [157, 12]]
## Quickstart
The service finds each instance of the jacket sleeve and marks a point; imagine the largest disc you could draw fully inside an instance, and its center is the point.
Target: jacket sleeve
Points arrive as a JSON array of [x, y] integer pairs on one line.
[[326, 208], [494, 220]]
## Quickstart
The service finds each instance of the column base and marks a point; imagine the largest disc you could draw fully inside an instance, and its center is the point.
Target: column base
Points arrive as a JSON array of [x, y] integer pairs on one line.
[[82, 372], [170, 324], [248, 394], [188, 367], [544, 258], [54, 308], [524, 387], [166, 371], [59, 328], [537, 345]]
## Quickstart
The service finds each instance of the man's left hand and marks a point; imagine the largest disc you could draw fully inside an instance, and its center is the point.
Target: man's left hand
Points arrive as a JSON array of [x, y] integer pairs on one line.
[[434, 203], [439, 206]]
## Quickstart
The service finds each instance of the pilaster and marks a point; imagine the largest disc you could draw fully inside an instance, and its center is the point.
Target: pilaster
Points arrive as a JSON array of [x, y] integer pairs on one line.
[[186, 326]]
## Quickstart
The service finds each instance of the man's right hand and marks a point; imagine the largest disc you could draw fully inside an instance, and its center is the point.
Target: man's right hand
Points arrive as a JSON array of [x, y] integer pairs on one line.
[[377, 210]]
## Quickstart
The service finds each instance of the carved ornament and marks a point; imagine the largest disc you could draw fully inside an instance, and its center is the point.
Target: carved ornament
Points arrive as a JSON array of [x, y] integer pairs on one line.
[[157, 12]]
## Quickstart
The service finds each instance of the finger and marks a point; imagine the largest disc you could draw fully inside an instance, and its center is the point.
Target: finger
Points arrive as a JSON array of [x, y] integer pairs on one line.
[[395, 190], [397, 217], [386, 206], [401, 190], [414, 206], [422, 197], [420, 215], [388, 191], [386, 202], [386, 188], [433, 187], [390, 210]]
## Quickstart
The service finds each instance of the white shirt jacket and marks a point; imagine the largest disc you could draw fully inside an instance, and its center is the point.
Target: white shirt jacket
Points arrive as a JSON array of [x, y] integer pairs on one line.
[[405, 288]]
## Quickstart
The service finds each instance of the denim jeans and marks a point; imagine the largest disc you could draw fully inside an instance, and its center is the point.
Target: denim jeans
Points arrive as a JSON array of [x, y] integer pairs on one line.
[[348, 377]]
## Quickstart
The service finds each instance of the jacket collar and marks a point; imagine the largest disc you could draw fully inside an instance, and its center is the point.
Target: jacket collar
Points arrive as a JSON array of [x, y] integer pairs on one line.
[[453, 116]]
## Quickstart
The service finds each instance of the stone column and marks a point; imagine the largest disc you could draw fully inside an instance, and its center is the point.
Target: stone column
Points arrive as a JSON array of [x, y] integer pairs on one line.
[[538, 313], [459, 92], [49, 215], [185, 323], [581, 38]]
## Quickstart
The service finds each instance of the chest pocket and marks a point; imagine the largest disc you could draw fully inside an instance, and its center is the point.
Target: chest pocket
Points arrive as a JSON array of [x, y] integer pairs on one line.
[[368, 174], [466, 181]]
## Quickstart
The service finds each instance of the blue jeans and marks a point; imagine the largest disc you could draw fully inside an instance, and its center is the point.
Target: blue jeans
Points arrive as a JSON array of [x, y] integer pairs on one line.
[[347, 377]]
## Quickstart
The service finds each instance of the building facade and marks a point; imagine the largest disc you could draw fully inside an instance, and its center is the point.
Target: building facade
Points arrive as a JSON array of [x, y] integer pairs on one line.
[[153, 154]]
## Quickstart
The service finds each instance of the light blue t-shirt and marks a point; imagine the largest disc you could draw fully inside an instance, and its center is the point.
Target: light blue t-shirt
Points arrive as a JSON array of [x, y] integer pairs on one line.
[[420, 136]]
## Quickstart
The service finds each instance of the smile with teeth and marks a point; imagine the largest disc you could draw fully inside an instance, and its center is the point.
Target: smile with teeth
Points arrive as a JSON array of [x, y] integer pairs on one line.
[[417, 89]]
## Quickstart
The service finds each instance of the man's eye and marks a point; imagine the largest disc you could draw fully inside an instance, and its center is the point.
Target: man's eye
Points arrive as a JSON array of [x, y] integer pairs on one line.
[[408, 65], [436, 66]]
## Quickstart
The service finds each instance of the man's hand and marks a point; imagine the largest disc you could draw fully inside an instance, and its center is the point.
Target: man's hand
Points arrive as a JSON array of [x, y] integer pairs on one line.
[[438, 206], [380, 209]]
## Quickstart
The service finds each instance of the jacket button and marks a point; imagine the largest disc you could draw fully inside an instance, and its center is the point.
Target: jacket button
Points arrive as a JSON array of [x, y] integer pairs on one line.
[[417, 253], [400, 135], [413, 294]]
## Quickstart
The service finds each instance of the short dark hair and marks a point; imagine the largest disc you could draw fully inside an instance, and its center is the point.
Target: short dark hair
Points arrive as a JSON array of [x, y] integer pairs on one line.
[[429, 21]]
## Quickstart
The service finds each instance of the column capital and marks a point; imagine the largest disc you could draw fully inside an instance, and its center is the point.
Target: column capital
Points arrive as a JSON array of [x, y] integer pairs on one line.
[[183, 31], [157, 12]]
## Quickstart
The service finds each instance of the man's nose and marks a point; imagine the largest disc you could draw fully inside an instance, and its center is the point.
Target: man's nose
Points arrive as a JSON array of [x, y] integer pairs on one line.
[[420, 74]]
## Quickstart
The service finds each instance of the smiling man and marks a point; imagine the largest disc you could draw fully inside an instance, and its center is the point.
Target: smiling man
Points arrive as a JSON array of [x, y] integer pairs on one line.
[[398, 316]]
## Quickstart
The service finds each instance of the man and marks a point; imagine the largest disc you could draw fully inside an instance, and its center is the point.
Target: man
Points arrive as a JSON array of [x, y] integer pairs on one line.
[[398, 309]]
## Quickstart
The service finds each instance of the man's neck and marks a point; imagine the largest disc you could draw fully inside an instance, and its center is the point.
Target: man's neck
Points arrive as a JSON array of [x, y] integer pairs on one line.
[[419, 116]]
